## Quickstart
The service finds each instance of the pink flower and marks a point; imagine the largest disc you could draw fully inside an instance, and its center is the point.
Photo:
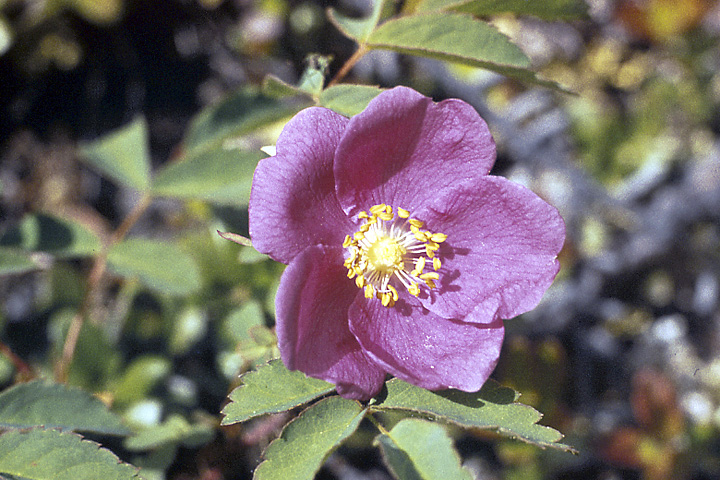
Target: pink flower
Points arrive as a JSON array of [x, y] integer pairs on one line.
[[403, 254]]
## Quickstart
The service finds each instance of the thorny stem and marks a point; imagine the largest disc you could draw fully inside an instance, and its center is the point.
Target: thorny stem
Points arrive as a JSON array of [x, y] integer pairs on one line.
[[349, 64], [94, 278]]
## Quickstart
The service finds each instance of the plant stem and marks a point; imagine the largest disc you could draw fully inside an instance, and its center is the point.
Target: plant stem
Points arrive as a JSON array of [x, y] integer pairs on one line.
[[96, 274], [25, 372], [349, 64]]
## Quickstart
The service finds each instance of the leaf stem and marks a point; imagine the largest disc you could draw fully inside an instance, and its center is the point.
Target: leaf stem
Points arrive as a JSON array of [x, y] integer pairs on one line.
[[25, 372], [96, 274], [349, 64]]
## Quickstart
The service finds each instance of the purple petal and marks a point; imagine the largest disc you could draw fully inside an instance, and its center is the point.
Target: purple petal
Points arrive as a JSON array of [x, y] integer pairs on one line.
[[403, 148], [312, 324], [421, 348], [500, 254], [293, 202]]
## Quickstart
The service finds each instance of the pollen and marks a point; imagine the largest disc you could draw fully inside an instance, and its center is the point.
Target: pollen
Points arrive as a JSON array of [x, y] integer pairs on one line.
[[391, 250]]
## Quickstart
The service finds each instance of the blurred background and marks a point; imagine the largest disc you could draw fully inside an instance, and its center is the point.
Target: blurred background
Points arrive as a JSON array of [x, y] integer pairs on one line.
[[622, 355]]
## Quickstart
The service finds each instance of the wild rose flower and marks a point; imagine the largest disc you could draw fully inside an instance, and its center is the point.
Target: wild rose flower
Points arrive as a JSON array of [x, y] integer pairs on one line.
[[403, 254]]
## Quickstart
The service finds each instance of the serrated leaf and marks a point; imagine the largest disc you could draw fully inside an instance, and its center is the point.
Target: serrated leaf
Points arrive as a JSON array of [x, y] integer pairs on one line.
[[547, 9], [12, 261], [161, 266], [307, 441], [271, 388], [420, 450], [123, 155], [173, 431], [358, 29], [493, 407], [459, 38], [54, 455], [53, 405], [239, 114], [50, 405], [347, 99], [54, 235], [218, 175]]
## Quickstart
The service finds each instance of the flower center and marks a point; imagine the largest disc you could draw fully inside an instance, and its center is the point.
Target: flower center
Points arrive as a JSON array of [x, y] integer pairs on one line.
[[390, 250], [386, 255]]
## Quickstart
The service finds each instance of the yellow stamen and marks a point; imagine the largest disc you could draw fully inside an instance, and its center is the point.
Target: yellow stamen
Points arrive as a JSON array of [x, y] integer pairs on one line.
[[390, 249], [430, 276], [438, 237], [419, 267]]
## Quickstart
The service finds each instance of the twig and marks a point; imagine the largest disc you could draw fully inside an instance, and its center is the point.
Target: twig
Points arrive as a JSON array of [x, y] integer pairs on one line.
[[96, 273], [349, 64]]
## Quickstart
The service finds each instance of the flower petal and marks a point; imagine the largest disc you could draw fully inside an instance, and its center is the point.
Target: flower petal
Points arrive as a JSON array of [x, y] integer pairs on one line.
[[403, 148], [312, 324], [501, 252], [292, 201], [421, 348]]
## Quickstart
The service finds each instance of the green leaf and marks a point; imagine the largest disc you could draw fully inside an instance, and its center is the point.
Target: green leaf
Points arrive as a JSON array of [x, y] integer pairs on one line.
[[54, 235], [218, 175], [309, 439], [175, 430], [274, 87], [348, 100], [313, 78], [493, 407], [123, 155], [358, 29], [161, 266], [459, 38], [52, 405], [239, 114], [310, 84], [449, 36], [54, 455], [140, 377], [418, 449], [271, 388], [547, 9], [12, 261]]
